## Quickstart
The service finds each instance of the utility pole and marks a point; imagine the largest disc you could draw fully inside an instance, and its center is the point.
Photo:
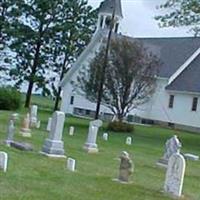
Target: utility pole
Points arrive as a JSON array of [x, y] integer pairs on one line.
[[102, 79]]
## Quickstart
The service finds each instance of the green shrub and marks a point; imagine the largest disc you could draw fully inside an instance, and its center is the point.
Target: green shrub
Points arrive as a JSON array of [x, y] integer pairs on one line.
[[10, 98], [117, 126]]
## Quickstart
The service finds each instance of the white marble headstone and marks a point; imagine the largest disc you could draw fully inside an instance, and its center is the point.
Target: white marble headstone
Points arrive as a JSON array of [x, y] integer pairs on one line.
[[105, 136], [3, 161], [49, 124], [71, 164], [128, 140], [71, 130], [33, 115], [90, 145], [175, 175]]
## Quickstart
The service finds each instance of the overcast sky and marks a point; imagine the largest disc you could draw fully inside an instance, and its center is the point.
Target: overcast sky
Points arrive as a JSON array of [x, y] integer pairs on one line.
[[139, 19]]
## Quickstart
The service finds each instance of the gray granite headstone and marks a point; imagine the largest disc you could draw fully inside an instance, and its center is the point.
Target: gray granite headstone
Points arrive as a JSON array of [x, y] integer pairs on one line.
[[53, 145]]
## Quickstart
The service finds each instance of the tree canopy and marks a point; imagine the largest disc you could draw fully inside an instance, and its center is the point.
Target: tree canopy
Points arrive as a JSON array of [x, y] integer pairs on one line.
[[181, 13], [129, 76]]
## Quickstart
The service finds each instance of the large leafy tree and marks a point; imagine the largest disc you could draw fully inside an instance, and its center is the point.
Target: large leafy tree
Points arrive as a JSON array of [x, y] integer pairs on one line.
[[129, 78], [72, 33], [181, 13], [31, 30]]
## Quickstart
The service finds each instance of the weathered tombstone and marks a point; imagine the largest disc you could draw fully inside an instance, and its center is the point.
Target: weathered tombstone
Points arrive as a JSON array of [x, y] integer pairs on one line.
[[53, 145], [3, 161], [21, 146], [33, 116], [90, 145], [10, 132], [128, 140], [175, 175], [71, 130], [105, 136], [38, 124], [49, 124], [172, 146], [14, 116], [71, 164], [126, 167], [25, 130]]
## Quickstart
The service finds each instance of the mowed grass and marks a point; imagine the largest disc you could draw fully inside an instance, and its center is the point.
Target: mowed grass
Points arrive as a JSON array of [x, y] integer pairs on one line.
[[31, 176]]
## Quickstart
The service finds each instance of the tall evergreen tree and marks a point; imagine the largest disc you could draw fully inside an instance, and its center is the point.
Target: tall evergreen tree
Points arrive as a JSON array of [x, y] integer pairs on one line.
[[31, 30]]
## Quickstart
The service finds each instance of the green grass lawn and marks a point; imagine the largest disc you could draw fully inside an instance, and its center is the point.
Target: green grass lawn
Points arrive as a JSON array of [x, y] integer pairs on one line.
[[31, 176]]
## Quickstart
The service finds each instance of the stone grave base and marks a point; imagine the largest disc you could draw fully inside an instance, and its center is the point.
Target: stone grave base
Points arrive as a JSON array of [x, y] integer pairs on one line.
[[52, 155], [162, 163], [21, 146], [190, 156], [53, 148], [91, 148], [122, 182], [25, 132]]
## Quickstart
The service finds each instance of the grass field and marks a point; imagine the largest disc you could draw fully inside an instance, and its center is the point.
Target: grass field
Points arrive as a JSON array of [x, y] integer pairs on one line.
[[31, 176]]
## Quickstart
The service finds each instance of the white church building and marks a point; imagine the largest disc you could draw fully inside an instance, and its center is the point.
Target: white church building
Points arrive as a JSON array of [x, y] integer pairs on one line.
[[176, 101]]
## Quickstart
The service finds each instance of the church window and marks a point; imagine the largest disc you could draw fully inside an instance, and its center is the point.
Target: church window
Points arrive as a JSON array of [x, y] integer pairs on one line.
[[194, 103], [72, 100], [171, 101], [116, 28], [101, 22], [108, 21]]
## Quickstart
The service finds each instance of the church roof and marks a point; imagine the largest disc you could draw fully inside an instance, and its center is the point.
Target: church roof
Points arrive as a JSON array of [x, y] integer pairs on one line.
[[108, 5], [188, 80], [172, 52]]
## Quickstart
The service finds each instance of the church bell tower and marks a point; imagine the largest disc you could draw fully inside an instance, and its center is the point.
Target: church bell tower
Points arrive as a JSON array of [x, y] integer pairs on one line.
[[105, 14]]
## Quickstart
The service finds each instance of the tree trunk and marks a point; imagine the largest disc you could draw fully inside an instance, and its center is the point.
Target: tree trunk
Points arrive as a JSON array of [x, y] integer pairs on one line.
[[57, 99], [28, 94], [34, 70], [59, 88]]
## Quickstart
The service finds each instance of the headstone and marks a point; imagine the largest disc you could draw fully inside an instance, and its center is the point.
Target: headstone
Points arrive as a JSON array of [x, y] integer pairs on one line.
[[175, 175], [53, 145], [38, 124], [21, 146], [25, 130], [90, 145], [71, 130], [14, 116], [33, 116], [105, 136], [172, 146], [126, 167], [128, 140], [10, 132], [71, 164], [190, 156], [49, 124], [3, 161]]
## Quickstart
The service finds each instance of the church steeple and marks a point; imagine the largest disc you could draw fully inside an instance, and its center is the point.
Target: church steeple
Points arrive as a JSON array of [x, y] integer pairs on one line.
[[105, 14]]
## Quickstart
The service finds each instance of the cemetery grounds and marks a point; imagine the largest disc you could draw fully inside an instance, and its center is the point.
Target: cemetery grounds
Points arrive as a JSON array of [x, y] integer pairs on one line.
[[32, 176]]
